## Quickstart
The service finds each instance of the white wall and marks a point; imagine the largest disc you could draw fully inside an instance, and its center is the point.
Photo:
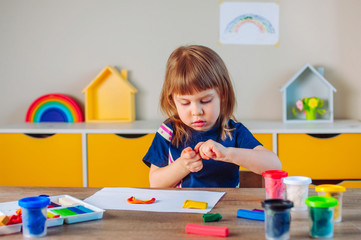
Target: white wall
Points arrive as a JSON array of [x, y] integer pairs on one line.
[[60, 46]]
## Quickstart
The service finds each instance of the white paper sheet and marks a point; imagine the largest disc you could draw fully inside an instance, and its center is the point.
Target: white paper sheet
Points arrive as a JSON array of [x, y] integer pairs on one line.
[[249, 23], [166, 200]]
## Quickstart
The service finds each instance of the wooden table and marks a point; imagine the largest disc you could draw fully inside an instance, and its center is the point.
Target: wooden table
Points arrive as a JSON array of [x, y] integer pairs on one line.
[[153, 225]]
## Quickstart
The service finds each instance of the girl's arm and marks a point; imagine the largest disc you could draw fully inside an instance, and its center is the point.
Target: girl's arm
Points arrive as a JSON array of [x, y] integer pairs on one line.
[[256, 160], [171, 175]]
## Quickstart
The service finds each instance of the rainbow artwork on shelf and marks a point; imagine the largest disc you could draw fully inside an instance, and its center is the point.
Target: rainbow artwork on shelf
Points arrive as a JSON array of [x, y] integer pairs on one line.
[[54, 107], [260, 22]]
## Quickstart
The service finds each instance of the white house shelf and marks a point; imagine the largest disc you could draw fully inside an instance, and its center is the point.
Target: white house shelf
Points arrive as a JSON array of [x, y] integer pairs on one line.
[[307, 82]]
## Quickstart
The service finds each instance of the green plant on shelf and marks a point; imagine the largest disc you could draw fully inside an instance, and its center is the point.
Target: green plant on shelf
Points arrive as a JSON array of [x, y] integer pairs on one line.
[[309, 106]]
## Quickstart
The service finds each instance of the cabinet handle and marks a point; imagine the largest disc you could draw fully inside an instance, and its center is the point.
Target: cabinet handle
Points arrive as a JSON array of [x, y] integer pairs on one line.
[[326, 181], [323, 135], [131, 136], [39, 135]]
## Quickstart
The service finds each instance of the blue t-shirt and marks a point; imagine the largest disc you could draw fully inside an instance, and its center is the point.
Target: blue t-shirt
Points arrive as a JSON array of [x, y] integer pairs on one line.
[[214, 173]]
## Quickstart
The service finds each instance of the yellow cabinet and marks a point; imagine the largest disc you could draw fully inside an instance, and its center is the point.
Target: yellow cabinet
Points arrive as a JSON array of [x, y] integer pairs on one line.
[[265, 139], [41, 160], [325, 156], [116, 161]]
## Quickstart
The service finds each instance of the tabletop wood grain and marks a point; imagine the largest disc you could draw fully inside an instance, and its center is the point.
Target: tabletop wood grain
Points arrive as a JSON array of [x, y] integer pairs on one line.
[[118, 224]]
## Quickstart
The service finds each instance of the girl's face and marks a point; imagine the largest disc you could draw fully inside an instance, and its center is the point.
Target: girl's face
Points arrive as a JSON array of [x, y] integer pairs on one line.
[[199, 111]]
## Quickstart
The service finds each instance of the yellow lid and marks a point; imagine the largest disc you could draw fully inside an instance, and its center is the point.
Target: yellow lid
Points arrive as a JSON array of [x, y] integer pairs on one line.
[[330, 188]]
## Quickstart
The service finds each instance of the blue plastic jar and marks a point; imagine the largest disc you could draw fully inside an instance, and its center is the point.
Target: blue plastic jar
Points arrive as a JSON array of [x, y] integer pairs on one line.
[[277, 218], [34, 211], [321, 210]]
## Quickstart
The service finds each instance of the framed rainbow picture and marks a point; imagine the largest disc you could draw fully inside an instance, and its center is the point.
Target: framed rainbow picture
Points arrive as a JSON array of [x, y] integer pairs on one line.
[[54, 107]]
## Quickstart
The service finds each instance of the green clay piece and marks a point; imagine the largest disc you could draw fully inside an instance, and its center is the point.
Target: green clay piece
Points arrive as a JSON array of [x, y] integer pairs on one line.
[[212, 217], [64, 212]]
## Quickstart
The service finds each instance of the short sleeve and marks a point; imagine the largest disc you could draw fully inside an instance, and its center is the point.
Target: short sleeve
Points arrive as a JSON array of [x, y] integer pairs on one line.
[[158, 152], [244, 138]]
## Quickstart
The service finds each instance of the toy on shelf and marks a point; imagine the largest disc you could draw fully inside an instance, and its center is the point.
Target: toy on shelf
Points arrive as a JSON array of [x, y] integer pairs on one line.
[[110, 97], [54, 107], [308, 90], [309, 106]]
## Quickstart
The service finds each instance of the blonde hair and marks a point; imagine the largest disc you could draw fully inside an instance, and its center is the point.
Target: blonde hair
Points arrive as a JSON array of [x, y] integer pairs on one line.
[[192, 69]]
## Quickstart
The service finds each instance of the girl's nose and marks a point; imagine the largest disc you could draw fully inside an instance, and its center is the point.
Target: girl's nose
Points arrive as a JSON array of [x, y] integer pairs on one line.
[[197, 109]]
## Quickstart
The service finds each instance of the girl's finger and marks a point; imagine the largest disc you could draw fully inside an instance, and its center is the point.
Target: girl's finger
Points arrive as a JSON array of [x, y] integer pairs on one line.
[[196, 148]]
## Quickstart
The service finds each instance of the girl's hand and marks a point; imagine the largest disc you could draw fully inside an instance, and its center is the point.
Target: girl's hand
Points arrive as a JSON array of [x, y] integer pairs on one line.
[[192, 160], [211, 149]]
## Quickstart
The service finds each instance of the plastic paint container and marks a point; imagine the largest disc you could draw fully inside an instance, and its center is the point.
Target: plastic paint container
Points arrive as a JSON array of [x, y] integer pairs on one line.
[[297, 191], [336, 191], [277, 218], [34, 211], [320, 213], [275, 188]]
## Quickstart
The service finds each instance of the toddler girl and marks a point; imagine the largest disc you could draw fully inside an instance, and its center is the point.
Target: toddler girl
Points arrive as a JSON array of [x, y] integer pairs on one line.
[[201, 144]]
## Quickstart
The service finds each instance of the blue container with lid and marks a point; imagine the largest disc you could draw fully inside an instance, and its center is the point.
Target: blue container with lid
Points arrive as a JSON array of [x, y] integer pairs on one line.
[[34, 211], [277, 218], [321, 216]]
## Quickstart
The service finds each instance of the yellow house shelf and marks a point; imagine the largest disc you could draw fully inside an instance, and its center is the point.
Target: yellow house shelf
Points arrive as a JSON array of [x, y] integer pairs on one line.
[[110, 97]]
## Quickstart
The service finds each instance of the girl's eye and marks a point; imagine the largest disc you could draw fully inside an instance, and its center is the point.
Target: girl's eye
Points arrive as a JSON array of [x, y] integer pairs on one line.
[[206, 101], [185, 103]]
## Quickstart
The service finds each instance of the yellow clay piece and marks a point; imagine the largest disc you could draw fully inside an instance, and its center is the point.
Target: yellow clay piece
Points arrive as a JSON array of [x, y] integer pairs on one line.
[[4, 220], [195, 204]]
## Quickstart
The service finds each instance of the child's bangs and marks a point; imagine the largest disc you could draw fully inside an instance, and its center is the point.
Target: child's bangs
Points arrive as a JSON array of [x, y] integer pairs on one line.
[[192, 82]]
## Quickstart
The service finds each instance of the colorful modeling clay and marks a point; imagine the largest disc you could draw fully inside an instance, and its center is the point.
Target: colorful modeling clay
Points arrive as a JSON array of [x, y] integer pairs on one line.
[[253, 215], [53, 204], [321, 222], [132, 200], [275, 188], [207, 230], [335, 191], [257, 210], [64, 201], [33, 211], [297, 191], [277, 218], [49, 215], [321, 210], [212, 217], [64, 212], [83, 209], [4, 220], [18, 212], [15, 219], [195, 204], [70, 211]]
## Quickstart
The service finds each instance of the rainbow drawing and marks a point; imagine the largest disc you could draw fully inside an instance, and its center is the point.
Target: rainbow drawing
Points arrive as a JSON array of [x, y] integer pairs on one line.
[[262, 23], [54, 107]]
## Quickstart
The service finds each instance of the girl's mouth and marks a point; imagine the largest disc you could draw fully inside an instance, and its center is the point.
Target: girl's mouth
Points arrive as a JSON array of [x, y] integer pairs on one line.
[[199, 123]]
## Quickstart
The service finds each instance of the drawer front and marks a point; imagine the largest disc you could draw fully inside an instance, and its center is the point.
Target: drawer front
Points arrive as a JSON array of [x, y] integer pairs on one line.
[[265, 139], [351, 184], [38, 160], [116, 161], [336, 157]]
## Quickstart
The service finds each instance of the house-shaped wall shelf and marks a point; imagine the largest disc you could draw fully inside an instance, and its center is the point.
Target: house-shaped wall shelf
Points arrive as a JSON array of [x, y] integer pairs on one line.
[[308, 82], [110, 97]]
